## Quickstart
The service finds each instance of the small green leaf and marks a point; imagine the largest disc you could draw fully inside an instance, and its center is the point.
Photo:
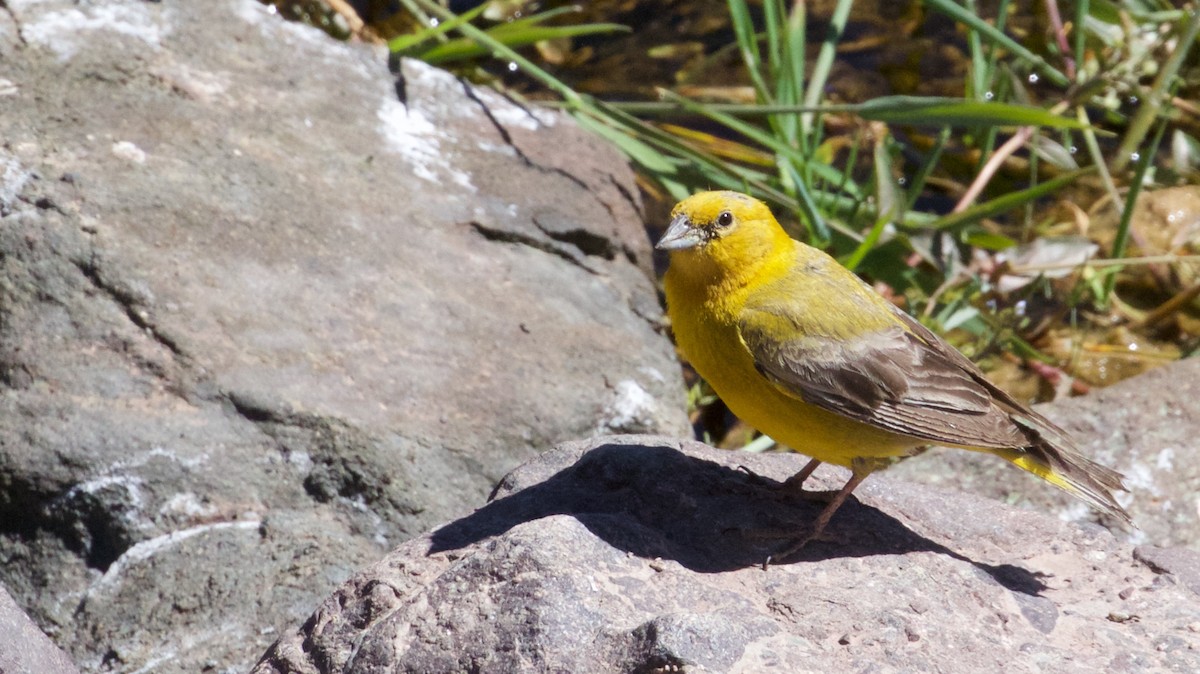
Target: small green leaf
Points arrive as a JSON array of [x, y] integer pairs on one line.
[[959, 317], [988, 240]]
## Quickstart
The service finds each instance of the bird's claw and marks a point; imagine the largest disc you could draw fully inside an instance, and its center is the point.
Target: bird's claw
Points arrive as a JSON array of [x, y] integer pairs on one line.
[[795, 546], [789, 488]]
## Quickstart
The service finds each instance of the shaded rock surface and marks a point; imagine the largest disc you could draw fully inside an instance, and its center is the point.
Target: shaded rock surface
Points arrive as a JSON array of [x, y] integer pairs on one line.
[[1147, 427], [267, 310], [636, 554]]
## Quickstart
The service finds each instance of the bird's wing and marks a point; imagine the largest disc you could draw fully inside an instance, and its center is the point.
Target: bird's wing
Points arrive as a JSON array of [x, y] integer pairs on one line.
[[897, 379], [1050, 453]]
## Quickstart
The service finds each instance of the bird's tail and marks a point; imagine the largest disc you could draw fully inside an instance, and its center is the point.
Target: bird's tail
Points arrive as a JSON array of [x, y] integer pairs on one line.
[[1053, 457]]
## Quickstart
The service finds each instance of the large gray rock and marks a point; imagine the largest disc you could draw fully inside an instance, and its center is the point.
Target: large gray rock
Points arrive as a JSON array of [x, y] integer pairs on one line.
[[266, 311], [23, 647], [634, 554], [1147, 427]]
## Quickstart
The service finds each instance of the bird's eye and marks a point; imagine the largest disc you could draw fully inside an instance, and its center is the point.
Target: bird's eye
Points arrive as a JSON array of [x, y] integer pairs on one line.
[[725, 219]]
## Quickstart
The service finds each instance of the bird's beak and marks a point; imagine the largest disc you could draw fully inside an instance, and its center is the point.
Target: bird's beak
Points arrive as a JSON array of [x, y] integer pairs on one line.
[[680, 235]]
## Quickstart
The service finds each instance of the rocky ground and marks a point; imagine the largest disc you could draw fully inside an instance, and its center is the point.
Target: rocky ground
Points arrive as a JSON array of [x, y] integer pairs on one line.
[[1145, 427], [269, 310], [639, 554]]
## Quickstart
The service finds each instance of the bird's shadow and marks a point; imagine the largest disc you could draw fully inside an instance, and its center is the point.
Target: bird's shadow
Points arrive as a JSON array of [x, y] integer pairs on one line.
[[655, 501]]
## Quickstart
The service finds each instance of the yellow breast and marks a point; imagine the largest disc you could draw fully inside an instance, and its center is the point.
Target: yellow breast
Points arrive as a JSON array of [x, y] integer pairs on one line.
[[705, 320]]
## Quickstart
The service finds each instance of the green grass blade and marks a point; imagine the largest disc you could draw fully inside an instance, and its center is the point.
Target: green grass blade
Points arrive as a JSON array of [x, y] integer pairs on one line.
[[868, 244], [928, 111], [1007, 202], [776, 145], [887, 192], [979, 70], [1144, 162], [629, 143], [913, 110], [499, 50], [719, 174], [1080, 38], [818, 228], [1097, 157], [824, 64], [917, 184], [998, 38], [993, 52], [747, 42], [1150, 108], [793, 77], [402, 44], [538, 18], [772, 22], [463, 48]]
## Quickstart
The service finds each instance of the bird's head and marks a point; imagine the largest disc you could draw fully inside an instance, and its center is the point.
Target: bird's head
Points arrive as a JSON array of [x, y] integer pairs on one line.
[[727, 229]]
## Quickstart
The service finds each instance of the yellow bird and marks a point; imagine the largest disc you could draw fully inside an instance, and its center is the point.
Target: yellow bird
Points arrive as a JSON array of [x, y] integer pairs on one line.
[[806, 352]]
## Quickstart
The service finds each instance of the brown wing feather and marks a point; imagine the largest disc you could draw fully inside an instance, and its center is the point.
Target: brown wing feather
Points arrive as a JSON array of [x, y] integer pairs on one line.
[[908, 381], [890, 379], [1046, 442]]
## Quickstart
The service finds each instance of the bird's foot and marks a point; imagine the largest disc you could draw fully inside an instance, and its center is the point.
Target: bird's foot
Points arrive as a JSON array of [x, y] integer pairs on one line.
[[833, 499], [793, 544], [793, 487], [820, 496], [757, 485], [759, 480]]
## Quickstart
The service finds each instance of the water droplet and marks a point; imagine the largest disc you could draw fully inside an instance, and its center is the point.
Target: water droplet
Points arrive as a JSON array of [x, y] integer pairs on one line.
[[902, 181], [1133, 346], [988, 95], [1033, 78], [1020, 308], [512, 67], [1133, 100], [1135, 156], [434, 21], [1072, 149]]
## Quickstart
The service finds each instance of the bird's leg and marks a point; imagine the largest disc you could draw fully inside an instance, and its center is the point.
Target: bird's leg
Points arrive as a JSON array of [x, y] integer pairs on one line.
[[835, 501], [822, 521], [794, 485], [861, 471]]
